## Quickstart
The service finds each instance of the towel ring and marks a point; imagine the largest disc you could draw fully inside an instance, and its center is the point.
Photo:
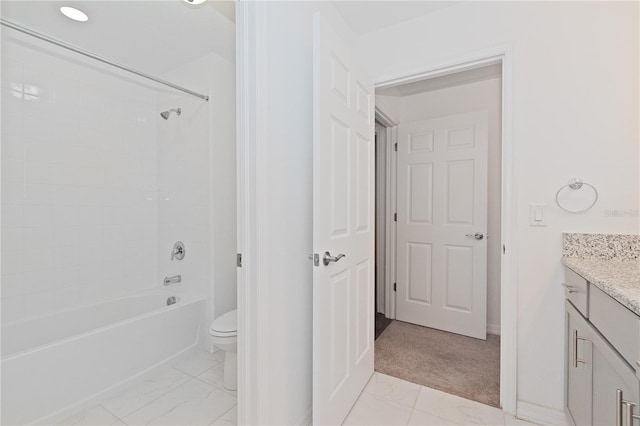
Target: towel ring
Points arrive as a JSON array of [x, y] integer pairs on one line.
[[576, 184]]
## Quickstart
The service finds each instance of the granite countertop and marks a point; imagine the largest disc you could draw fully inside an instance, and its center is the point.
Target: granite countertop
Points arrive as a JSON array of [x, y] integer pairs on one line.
[[620, 279]]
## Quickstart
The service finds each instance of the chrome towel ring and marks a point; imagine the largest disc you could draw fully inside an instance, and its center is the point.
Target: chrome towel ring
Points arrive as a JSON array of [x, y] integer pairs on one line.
[[576, 184]]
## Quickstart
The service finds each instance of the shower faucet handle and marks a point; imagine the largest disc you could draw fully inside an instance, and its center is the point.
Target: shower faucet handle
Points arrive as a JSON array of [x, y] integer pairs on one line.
[[178, 251]]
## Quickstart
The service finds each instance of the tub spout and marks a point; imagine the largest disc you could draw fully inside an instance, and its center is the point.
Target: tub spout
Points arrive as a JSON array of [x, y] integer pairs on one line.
[[170, 280]]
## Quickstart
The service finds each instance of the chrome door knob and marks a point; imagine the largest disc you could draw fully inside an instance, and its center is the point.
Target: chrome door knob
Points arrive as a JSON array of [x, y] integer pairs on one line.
[[327, 258], [477, 235]]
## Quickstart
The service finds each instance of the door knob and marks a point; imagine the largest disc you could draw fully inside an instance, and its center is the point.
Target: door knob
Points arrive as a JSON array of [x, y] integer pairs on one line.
[[327, 258], [477, 235]]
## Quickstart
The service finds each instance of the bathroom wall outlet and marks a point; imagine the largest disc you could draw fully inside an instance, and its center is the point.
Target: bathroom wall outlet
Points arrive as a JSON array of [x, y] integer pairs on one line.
[[537, 215]]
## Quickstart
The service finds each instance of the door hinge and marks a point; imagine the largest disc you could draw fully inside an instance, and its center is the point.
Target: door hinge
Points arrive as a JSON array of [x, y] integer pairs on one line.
[[239, 260], [395, 147], [395, 217], [395, 287], [504, 249]]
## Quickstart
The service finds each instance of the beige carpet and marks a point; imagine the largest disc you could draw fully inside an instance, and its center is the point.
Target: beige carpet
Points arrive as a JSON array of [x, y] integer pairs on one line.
[[455, 364]]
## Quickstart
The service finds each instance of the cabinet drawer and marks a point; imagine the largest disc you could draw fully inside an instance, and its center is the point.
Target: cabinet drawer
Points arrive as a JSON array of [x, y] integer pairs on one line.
[[616, 322], [576, 291]]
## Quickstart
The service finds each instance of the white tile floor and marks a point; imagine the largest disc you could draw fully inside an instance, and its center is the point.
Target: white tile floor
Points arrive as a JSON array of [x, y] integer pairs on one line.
[[188, 391], [387, 400]]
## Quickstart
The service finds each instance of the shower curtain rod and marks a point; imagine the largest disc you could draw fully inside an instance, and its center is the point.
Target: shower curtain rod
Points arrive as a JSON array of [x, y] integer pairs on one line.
[[88, 54]]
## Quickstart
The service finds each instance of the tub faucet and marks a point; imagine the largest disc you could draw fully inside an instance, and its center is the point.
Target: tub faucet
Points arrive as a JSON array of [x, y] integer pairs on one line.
[[170, 280]]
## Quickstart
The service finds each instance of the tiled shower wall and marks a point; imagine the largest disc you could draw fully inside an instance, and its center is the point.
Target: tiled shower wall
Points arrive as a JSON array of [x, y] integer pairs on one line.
[[79, 182], [184, 188], [196, 176]]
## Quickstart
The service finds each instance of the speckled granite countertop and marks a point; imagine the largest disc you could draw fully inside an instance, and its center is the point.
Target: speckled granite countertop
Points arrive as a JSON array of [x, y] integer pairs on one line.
[[611, 262], [620, 279]]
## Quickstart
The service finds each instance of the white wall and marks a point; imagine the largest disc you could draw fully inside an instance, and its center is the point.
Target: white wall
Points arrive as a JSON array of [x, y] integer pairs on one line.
[[197, 172], [391, 106], [575, 114], [481, 95], [79, 183]]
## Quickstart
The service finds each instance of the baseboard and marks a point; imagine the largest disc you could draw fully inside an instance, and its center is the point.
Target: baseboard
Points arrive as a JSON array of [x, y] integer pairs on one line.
[[541, 415], [493, 329], [306, 418]]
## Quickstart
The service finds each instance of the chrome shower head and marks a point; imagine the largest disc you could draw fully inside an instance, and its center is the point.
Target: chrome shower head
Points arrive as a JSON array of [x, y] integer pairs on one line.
[[166, 114]]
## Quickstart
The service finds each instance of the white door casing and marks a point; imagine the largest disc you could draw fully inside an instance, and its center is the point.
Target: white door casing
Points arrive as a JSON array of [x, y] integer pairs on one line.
[[381, 219], [343, 223], [442, 203]]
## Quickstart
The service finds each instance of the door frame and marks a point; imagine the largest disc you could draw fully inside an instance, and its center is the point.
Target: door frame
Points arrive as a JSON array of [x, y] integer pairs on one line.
[[508, 267], [390, 124], [251, 128]]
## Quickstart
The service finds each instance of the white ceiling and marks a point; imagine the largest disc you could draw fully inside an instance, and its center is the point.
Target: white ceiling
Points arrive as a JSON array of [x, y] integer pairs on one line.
[[153, 36], [381, 14], [444, 81]]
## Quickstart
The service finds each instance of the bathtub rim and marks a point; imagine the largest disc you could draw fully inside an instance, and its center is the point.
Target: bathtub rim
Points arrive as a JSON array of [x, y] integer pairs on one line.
[[183, 300]]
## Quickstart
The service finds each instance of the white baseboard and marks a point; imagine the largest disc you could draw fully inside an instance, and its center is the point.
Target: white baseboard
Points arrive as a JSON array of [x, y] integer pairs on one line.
[[493, 329], [542, 415], [306, 418]]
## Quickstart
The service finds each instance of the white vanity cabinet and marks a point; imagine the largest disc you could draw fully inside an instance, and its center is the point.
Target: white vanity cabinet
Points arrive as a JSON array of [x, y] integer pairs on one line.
[[601, 383]]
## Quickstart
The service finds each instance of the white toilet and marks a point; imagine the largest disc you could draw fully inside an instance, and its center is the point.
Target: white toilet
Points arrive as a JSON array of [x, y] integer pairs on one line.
[[224, 332]]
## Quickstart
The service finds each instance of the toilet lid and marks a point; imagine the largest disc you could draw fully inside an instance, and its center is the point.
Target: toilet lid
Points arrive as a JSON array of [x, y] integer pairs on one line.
[[225, 324]]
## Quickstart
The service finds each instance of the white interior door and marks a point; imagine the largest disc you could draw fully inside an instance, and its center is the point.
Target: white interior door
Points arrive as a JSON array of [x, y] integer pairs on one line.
[[442, 219], [343, 224]]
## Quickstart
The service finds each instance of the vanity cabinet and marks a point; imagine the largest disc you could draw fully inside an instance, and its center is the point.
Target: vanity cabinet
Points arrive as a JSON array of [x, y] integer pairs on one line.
[[610, 374], [600, 381], [578, 367]]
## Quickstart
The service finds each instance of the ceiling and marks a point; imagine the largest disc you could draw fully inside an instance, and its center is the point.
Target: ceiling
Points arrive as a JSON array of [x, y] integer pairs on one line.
[[158, 35], [444, 81], [381, 14]]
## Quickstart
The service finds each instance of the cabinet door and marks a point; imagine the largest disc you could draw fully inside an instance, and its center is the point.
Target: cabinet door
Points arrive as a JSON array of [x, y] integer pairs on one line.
[[578, 367], [609, 373]]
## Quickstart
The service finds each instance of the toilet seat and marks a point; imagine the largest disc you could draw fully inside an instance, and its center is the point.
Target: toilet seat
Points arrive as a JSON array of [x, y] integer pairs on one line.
[[225, 325]]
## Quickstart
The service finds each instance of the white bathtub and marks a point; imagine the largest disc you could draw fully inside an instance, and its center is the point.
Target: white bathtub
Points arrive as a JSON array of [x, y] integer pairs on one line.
[[52, 363]]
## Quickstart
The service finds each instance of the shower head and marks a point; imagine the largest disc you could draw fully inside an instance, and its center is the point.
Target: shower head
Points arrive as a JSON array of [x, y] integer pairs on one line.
[[166, 114]]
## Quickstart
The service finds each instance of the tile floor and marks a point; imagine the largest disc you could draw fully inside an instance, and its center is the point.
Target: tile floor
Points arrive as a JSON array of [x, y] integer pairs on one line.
[[188, 391], [387, 400]]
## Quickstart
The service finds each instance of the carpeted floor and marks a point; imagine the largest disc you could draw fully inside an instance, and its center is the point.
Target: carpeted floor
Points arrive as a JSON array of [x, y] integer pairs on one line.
[[449, 362]]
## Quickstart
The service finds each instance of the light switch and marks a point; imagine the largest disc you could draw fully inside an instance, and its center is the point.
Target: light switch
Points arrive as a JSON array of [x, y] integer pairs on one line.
[[537, 215]]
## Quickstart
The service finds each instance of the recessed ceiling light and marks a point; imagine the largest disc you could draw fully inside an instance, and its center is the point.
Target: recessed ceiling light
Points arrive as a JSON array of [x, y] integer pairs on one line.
[[73, 13], [195, 1]]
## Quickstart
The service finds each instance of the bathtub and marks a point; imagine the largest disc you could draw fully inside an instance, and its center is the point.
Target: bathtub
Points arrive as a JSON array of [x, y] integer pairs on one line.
[[52, 363]]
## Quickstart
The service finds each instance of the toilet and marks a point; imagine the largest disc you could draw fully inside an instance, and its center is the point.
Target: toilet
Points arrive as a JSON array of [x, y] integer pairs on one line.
[[224, 334]]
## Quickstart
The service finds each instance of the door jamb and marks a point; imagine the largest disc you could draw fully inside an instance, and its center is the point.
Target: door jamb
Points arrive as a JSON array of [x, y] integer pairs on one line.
[[390, 208], [251, 112], [508, 268]]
